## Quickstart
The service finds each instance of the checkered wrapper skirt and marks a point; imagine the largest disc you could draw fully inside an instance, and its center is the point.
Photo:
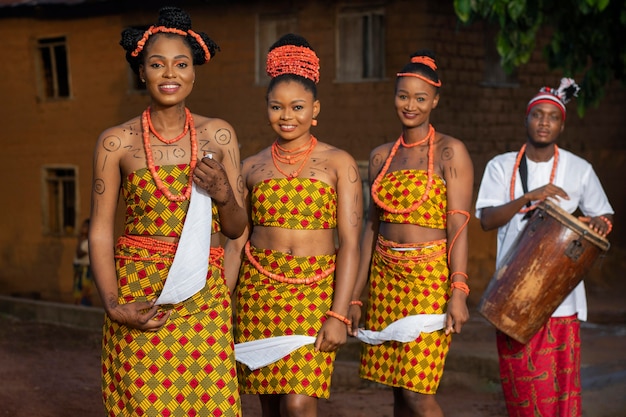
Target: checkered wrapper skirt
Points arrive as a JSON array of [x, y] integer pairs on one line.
[[404, 283], [268, 308], [187, 368]]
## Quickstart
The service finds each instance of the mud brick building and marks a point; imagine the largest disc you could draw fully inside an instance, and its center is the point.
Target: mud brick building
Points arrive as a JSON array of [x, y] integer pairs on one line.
[[65, 79]]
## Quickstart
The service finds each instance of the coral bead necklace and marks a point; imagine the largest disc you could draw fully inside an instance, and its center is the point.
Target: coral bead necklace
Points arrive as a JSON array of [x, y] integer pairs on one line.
[[147, 128], [188, 120], [430, 138], [518, 160], [293, 157], [281, 278]]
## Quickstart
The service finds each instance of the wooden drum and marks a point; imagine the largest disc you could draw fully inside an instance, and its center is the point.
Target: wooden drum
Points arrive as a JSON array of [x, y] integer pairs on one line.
[[549, 258]]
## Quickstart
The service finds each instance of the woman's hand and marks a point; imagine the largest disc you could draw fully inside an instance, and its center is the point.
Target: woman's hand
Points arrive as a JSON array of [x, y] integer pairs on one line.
[[211, 176], [140, 315], [331, 336], [457, 314], [354, 314]]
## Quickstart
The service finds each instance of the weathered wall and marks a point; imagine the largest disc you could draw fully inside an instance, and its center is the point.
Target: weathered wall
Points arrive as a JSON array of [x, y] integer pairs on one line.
[[355, 116]]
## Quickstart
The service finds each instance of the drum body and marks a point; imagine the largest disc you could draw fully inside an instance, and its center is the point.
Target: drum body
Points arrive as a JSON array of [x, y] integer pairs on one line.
[[550, 256]]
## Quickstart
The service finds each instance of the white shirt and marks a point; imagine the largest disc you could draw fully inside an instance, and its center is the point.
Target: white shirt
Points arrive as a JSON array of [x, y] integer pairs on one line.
[[83, 260], [574, 175]]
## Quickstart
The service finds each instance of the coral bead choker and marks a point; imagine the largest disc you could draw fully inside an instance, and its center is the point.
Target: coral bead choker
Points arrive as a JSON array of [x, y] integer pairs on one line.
[[147, 128], [292, 157], [188, 120]]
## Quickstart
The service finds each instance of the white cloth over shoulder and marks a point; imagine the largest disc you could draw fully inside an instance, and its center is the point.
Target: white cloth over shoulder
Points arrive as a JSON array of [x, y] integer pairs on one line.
[[256, 354], [404, 330], [188, 272]]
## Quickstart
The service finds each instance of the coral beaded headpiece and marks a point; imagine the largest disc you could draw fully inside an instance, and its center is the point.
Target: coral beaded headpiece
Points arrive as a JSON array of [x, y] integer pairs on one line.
[[425, 60], [156, 29], [557, 96], [292, 59]]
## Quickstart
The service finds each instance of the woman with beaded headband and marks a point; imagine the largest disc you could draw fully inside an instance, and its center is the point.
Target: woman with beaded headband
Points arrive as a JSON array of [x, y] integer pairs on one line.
[[542, 376], [293, 280], [414, 247], [174, 359]]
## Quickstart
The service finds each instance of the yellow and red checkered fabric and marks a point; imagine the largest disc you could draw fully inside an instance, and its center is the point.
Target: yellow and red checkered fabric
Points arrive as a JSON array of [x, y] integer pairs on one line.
[[268, 308], [405, 283], [148, 211], [401, 189], [187, 368], [297, 203]]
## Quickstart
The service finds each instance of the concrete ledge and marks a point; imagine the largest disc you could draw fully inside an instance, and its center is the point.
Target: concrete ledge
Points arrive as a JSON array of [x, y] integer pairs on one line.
[[90, 318]]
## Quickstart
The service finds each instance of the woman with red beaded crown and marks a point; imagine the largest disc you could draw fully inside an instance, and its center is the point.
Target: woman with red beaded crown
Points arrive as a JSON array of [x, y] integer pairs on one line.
[[166, 359], [303, 196], [414, 247]]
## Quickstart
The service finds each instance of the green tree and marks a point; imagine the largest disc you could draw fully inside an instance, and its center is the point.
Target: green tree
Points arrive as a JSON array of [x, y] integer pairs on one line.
[[587, 38]]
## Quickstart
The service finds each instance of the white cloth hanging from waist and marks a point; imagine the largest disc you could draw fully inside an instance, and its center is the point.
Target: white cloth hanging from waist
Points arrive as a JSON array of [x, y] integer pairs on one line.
[[188, 272], [256, 354], [404, 330]]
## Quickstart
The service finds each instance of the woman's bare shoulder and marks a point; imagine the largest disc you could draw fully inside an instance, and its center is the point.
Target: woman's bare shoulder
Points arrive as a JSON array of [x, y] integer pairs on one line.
[[121, 135]]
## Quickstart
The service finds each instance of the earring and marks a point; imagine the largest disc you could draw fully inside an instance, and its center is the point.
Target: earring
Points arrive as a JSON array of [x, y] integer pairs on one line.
[[143, 80], [314, 122]]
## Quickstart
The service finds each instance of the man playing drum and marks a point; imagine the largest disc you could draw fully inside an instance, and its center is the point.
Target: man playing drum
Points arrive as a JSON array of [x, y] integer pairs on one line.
[[542, 377]]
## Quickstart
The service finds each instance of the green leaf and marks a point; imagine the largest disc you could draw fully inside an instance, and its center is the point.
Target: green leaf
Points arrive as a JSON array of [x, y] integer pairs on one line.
[[463, 10]]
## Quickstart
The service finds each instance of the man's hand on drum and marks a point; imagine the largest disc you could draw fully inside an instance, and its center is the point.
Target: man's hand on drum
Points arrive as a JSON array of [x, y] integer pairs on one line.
[[602, 225], [457, 314], [547, 191]]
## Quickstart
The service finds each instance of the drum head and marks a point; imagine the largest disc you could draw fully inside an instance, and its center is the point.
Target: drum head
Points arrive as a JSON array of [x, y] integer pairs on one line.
[[552, 209]]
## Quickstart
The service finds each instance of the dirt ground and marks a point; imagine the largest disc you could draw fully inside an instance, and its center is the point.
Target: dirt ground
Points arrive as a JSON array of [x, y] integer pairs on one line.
[[49, 370], [53, 371]]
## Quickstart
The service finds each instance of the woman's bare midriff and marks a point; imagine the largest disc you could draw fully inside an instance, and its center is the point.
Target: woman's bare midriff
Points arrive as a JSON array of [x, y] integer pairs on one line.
[[410, 233], [294, 242]]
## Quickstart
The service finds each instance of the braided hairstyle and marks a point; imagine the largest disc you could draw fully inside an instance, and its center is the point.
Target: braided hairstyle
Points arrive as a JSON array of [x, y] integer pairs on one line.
[[426, 71], [307, 83], [172, 18]]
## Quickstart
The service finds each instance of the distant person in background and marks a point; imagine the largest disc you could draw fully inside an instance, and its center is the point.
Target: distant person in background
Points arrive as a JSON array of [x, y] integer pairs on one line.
[[542, 377], [83, 279]]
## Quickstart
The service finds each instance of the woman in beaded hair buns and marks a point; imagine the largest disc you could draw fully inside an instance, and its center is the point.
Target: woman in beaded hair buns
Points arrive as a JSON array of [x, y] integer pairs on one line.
[[303, 196], [414, 247], [174, 359]]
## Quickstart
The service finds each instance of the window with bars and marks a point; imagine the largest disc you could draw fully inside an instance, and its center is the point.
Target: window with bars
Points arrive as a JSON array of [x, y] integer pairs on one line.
[[60, 200], [270, 27], [360, 44], [54, 68]]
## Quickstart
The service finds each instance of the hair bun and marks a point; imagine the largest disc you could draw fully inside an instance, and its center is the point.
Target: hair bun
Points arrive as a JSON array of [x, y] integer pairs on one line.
[[174, 17], [291, 39]]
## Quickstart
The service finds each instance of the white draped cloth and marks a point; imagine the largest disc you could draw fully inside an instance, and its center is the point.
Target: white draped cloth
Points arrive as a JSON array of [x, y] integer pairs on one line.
[[256, 354], [188, 272]]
